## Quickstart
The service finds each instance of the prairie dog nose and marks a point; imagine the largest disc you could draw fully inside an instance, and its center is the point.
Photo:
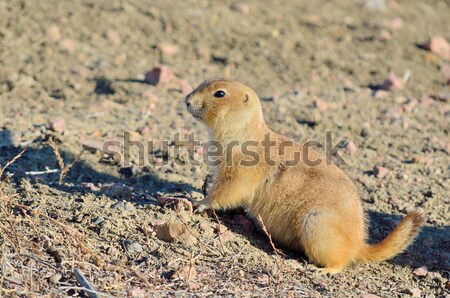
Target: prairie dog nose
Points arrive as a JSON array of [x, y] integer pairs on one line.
[[187, 100]]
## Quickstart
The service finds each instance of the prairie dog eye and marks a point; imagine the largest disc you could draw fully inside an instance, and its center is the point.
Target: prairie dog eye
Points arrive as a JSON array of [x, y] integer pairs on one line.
[[220, 94]]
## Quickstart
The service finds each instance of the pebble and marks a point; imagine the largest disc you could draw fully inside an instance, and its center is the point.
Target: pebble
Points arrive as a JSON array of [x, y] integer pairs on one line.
[[133, 247], [439, 46], [370, 296], [55, 278], [381, 94], [114, 37], [421, 271], [392, 82], [320, 104], [159, 75], [396, 23], [137, 292], [241, 7], [143, 130], [375, 5], [351, 147], [380, 172], [68, 44], [163, 76], [117, 191], [226, 236], [169, 49], [169, 231], [54, 33], [263, 279], [58, 125], [98, 220], [414, 292], [384, 35]]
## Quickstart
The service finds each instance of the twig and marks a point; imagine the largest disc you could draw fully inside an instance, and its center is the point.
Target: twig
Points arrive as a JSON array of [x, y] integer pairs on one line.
[[43, 262], [218, 229], [91, 292], [67, 229], [276, 250], [64, 168], [2, 169], [17, 291], [278, 253]]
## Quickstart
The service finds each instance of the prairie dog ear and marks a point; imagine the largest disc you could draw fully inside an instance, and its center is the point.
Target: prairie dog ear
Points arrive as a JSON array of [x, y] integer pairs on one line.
[[246, 98]]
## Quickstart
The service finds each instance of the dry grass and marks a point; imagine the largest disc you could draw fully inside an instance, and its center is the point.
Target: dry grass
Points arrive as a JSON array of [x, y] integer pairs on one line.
[[64, 168]]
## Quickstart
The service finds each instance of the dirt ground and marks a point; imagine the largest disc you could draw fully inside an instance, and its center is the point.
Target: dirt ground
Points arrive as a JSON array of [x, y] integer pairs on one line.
[[74, 71]]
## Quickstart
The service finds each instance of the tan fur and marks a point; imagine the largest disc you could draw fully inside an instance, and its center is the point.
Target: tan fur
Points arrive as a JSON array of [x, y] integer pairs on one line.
[[311, 208]]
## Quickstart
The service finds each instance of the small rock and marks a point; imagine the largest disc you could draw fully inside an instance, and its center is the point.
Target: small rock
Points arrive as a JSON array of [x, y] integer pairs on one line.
[[143, 130], [246, 224], [226, 236], [80, 71], [375, 5], [384, 35], [381, 94], [351, 147], [98, 220], [116, 190], [58, 125], [54, 33], [436, 276], [169, 231], [414, 292], [421, 271], [443, 96], [137, 292], [380, 172], [169, 49], [439, 46], [114, 37], [55, 278], [263, 279], [349, 85], [220, 228], [159, 75], [392, 82], [134, 247], [396, 23], [320, 104], [370, 296], [241, 7], [68, 44]]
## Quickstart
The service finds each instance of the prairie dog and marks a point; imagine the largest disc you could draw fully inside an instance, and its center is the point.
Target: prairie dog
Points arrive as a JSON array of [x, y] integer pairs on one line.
[[313, 208]]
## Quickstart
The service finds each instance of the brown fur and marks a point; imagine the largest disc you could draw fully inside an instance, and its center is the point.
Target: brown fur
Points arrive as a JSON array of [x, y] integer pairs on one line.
[[311, 208]]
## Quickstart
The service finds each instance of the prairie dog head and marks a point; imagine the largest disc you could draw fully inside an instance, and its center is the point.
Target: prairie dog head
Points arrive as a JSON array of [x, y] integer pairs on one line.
[[224, 105]]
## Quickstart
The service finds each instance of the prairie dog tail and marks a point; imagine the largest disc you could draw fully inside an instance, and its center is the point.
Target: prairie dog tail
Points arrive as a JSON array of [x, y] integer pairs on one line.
[[396, 242]]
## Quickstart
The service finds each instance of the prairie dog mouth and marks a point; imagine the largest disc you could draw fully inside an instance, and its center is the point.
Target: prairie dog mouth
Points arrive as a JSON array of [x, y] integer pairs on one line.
[[195, 111]]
